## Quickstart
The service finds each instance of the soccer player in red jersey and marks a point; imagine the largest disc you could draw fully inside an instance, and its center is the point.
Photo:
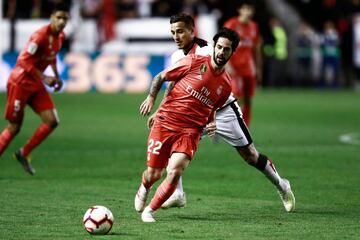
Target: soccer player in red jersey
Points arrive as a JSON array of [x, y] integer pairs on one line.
[[230, 124], [246, 65], [201, 86], [25, 86]]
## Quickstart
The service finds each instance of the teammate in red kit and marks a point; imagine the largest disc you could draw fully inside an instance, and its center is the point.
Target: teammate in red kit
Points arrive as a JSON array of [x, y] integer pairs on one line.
[[246, 64], [25, 86], [201, 86]]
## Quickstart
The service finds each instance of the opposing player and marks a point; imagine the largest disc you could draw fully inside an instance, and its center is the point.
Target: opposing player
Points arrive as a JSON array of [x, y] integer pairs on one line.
[[229, 122], [245, 67], [25, 86], [201, 86]]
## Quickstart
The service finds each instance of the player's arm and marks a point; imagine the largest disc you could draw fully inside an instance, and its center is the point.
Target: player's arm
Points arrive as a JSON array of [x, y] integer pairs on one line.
[[32, 51], [58, 83], [211, 126], [150, 120], [148, 103]]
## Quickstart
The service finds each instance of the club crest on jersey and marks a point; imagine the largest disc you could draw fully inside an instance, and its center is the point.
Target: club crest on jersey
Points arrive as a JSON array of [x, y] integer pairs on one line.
[[32, 48], [219, 90], [203, 68]]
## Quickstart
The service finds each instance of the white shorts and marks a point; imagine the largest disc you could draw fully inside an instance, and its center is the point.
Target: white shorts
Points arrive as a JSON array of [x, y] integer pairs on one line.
[[231, 127]]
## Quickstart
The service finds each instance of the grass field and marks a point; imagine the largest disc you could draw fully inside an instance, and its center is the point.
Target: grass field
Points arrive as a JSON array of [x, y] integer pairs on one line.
[[97, 154]]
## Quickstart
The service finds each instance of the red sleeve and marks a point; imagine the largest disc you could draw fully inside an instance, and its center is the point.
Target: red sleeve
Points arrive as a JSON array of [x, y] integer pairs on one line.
[[31, 52], [179, 69], [229, 24]]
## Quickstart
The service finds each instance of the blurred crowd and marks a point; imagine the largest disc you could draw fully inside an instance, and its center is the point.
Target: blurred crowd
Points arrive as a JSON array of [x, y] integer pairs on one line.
[[320, 51]]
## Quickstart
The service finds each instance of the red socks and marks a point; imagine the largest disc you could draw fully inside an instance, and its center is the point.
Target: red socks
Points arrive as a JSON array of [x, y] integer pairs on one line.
[[5, 139], [163, 192], [39, 136]]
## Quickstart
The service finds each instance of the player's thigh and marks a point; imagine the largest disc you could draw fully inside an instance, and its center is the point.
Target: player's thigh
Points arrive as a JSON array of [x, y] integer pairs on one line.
[[158, 147], [178, 160], [231, 127], [17, 99], [41, 101], [186, 143]]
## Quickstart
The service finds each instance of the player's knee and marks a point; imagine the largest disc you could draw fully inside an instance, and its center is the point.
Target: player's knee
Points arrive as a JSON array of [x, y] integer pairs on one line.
[[154, 175], [14, 128], [53, 123], [174, 175]]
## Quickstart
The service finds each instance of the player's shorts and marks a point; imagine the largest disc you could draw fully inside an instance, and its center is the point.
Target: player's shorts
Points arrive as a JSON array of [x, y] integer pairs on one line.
[[231, 127], [17, 98], [243, 86], [163, 142]]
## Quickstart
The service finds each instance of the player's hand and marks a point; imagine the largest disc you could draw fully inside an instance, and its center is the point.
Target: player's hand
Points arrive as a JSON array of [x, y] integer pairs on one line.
[[150, 121], [50, 81], [147, 105], [211, 129], [58, 85]]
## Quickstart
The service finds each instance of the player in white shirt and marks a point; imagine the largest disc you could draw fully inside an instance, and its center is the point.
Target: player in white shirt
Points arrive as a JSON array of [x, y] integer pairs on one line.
[[229, 122]]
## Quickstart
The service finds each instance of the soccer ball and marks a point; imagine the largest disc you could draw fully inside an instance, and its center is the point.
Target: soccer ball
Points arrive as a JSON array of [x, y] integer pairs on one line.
[[98, 220]]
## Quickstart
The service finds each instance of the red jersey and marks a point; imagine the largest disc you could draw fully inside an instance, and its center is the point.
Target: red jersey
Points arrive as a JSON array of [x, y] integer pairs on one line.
[[39, 52], [197, 92], [243, 59]]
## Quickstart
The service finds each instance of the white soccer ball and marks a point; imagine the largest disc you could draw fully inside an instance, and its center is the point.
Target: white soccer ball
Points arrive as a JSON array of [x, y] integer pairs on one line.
[[98, 220]]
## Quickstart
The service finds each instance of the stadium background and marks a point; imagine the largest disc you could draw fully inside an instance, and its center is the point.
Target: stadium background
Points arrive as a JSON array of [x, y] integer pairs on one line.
[[97, 154], [118, 45]]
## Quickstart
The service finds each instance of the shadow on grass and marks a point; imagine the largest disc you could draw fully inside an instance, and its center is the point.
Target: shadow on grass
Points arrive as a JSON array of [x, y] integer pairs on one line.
[[116, 234]]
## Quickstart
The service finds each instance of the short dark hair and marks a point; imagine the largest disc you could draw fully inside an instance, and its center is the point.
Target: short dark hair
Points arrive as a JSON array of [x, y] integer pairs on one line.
[[229, 34], [183, 17], [60, 7], [241, 3]]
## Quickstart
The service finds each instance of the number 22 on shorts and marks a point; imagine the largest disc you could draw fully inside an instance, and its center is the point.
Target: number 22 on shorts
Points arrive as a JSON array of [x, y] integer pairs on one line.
[[153, 147]]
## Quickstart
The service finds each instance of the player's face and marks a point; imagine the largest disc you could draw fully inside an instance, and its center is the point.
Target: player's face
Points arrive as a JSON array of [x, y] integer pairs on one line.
[[59, 20], [246, 12], [222, 51], [182, 35]]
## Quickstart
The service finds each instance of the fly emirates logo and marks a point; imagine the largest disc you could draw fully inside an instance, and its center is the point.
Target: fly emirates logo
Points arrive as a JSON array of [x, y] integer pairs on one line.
[[202, 95]]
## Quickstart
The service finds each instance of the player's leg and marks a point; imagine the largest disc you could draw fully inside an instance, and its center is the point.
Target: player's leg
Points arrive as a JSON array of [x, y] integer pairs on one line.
[[158, 152], [14, 114], [266, 166], [149, 177], [177, 164], [236, 133], [178, 198], [43, 105], [8, 134], [49, 122]]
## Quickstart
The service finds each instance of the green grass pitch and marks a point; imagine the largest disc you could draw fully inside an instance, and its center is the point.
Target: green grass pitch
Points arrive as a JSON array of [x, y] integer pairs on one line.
[[97, 155]]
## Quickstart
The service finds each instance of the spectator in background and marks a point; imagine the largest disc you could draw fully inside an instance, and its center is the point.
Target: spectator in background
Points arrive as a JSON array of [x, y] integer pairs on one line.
[[126, 9], [105, 13], [14, 10], [165, 8], [245, 68], [305, 37], [277, 55], [330, 68]]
